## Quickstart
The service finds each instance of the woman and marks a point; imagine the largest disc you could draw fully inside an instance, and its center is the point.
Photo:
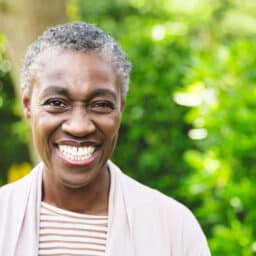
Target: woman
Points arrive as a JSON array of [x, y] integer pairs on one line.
[[77, 202]]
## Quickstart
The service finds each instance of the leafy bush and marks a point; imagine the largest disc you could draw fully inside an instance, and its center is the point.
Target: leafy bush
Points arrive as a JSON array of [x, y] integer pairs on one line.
[[13, 147]]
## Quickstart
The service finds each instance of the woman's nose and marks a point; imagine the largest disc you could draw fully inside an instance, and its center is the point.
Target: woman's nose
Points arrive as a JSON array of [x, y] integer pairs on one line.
[[78, 123]]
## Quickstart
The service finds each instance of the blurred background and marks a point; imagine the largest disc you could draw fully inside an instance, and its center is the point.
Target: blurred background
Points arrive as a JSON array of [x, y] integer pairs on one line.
[[188, 128]]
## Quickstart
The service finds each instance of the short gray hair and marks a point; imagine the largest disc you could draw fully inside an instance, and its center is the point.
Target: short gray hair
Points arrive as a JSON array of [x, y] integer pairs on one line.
[[81, 37]]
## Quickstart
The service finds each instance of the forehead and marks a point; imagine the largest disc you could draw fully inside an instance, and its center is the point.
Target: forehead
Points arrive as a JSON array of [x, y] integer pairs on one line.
[[73, 67], [59, 60]]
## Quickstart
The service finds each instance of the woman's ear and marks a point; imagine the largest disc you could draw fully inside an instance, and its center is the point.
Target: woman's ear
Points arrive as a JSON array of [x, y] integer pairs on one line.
[[26, 103]]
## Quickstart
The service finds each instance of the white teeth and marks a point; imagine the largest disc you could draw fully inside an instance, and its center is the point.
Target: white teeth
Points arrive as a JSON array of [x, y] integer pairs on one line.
[[76, 153]]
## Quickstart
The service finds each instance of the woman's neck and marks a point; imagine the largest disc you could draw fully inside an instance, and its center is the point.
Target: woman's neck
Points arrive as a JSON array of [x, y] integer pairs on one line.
[[90, 199]]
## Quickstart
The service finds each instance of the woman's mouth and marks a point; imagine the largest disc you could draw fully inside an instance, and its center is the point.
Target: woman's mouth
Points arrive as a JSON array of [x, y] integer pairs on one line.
[[73, 153]]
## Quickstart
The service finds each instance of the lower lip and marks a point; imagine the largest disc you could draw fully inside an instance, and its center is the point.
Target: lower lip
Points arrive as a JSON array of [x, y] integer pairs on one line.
[[77, 163]]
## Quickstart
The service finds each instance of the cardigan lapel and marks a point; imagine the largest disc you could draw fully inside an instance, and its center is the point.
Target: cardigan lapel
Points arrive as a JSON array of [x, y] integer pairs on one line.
[[28, 237], [136, 229], [119, 241], [13, 204]]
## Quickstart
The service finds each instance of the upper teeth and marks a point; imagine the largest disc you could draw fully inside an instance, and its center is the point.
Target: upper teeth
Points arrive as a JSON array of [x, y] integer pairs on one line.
[[76, 153]]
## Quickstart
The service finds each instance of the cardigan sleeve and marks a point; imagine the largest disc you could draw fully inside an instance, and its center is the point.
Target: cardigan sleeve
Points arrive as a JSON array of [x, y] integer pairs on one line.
[[194, 241]]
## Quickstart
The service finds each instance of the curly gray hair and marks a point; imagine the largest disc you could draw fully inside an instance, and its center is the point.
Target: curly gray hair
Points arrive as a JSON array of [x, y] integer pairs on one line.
[[81, 37]]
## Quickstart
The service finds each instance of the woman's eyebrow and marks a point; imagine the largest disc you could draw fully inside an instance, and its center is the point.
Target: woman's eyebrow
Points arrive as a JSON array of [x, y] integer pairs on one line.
[[103, 92], [55, 90], [50, 90]]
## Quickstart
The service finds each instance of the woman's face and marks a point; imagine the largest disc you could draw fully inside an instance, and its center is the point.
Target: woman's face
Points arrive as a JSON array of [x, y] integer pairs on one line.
[[74, 109]]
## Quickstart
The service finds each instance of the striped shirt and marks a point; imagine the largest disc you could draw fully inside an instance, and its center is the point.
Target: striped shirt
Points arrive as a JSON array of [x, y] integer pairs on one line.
[[66, 233]]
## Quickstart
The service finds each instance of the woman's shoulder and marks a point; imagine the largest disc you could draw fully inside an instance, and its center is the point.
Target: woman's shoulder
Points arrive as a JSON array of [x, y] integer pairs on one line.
[[139, 194], [175, 221], [19, 187], [13, 190]]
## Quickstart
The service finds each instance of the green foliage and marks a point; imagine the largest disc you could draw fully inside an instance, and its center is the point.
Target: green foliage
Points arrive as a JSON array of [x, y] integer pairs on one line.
[[13, 142], [224, 160]]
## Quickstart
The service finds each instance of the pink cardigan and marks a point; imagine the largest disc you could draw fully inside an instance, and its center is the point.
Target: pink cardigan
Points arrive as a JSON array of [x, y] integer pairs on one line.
[[142, 221]]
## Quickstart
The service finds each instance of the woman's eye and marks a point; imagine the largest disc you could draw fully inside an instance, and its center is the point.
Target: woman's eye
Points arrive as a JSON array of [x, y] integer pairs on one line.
[[55, 105], [102, 106]]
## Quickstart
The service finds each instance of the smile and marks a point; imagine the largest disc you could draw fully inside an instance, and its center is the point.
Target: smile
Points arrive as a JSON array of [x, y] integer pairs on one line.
[[76, 153]]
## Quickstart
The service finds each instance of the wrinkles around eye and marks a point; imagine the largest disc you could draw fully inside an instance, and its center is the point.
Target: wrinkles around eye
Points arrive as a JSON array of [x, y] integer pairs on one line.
[[102, 106], [56, 105]]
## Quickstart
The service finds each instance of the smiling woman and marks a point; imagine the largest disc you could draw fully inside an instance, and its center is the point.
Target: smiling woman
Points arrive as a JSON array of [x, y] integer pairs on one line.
[[78, 106], [76, 201]]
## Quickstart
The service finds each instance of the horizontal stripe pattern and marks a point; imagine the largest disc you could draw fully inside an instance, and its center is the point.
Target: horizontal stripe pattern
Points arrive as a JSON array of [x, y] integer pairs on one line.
[[68, 233]]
